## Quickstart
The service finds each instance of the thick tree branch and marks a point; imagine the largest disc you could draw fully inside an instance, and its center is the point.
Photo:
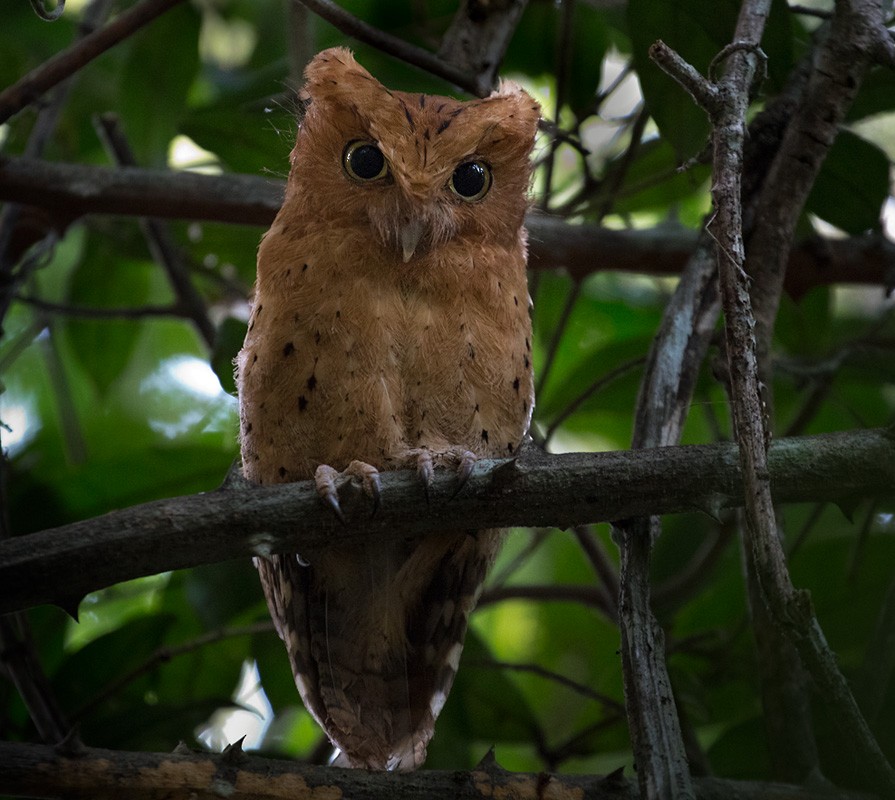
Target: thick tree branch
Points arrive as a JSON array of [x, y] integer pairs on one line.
[[69, 191], [478, 37], [41, 771], [240, 520]]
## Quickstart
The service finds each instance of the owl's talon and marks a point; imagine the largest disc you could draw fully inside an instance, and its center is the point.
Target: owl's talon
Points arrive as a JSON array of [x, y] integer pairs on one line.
[[467, 465], [332, 500], [426, 471], [374, 490], [325, 481]]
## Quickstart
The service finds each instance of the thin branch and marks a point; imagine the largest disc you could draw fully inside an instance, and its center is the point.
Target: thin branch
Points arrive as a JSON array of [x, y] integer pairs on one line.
[[563, 53], [350, 25], [158, 236], [555, 677], [602, 565], [64, 64], [599, 384], [556, 337], [592, 596], [90, 312], [12, 274], [165, 654], [698, 570]]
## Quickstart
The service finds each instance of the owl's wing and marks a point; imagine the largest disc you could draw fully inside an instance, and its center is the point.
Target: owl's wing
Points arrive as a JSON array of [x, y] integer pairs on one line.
[[286, 584], [379, 708]]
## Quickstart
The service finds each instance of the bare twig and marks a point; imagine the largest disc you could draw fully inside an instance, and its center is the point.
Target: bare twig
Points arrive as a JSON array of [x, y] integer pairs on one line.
[[542, 672], [88, 312], [592, 596], [398, 48], [165, 654], [64, 64], [556, 336], [563, 51], [158, 236], [12, 274], [600, 383], [599, 559]]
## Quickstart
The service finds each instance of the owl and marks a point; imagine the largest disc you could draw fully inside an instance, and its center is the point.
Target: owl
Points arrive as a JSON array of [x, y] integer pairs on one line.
[[390, 329]]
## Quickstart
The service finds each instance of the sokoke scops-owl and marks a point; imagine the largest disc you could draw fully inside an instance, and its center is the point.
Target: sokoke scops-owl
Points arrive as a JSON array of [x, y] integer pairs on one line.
[[390, 329]]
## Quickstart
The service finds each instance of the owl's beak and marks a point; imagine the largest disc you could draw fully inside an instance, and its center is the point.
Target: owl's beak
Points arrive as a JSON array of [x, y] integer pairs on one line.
[[410, 235]]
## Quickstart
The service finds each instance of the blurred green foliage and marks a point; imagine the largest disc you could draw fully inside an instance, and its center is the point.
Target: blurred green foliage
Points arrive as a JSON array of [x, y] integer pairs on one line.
[[104, 413]]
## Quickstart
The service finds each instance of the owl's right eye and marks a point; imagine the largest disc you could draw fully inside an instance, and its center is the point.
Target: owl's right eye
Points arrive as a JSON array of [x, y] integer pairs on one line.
[[364, 161]]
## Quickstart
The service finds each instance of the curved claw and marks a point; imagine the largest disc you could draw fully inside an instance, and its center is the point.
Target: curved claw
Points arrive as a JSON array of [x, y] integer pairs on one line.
[[467, 465], [373, 487], [369, 479], [426, 471], [325, 480]]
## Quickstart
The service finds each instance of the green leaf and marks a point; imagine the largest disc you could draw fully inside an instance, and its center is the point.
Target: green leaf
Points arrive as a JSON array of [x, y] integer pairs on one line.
[[852, 185], [162, 63], [533, 51], [694, 34], [653, 182], [86, 673], [103, 279], [697, 34], [876, 95], [245, 141]]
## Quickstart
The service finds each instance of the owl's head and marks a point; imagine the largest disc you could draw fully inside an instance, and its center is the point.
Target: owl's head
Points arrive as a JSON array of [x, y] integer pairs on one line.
[[415, 172]]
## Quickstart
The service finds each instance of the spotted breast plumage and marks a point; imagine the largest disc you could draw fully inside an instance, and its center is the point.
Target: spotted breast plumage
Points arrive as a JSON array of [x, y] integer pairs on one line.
[[390, 328]]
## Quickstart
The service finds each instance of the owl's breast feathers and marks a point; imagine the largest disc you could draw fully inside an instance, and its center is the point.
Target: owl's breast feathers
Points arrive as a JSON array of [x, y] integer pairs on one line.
[[356, 352]]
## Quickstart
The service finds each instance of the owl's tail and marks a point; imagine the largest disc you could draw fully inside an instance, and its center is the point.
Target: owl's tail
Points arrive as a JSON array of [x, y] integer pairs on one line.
[[376, 683]]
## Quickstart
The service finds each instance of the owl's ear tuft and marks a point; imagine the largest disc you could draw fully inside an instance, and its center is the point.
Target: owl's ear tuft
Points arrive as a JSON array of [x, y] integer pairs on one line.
[[335, 69], [334, 77], [518, 105]]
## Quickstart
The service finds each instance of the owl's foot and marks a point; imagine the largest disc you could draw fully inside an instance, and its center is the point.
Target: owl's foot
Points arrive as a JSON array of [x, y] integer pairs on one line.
[[425, 467], [328, 479]]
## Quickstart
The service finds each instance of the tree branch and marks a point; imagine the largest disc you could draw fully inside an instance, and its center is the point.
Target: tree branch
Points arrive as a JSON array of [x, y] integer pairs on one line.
[[71, 190], [39, 770], [158, 235], [790, 610], [242, 520], [65, 63], [350, 25]]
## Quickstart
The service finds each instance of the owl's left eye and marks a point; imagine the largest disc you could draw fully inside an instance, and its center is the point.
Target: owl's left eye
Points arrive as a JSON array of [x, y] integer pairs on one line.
[[471, 180], [364, 161]]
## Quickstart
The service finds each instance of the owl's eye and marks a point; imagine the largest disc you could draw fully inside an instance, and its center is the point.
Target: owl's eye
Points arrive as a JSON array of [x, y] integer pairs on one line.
[[364, 161], [471, 180]]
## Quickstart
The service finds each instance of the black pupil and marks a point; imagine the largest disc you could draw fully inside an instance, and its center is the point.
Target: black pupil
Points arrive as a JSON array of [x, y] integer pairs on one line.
[[366, 161], [469, 179]]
